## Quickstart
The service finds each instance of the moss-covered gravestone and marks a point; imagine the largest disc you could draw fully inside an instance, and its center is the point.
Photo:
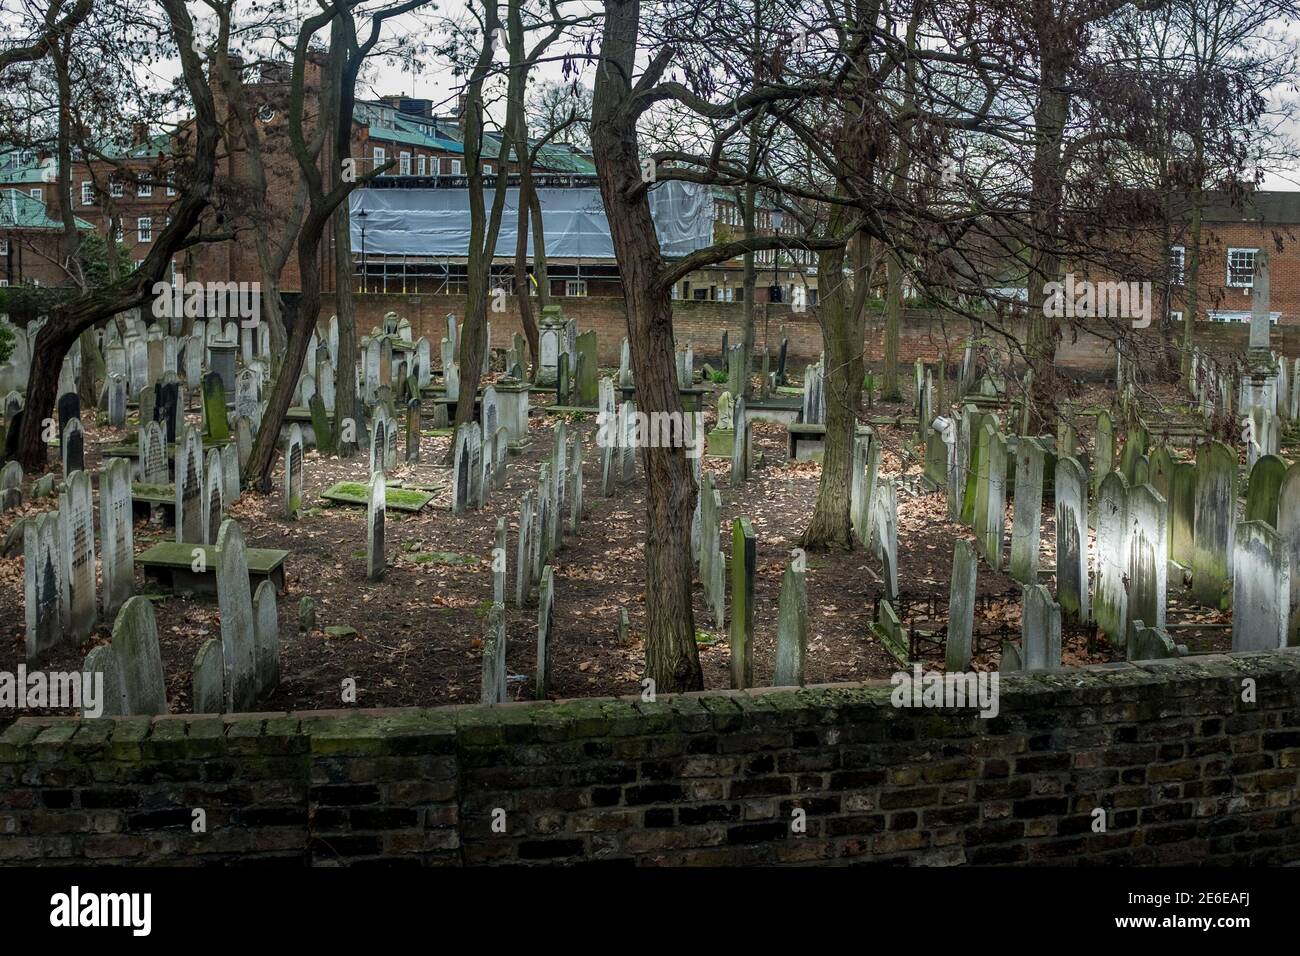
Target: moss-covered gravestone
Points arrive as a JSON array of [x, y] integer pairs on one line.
[[1215, 523], [139, 661], [791, 626], [743, 566]]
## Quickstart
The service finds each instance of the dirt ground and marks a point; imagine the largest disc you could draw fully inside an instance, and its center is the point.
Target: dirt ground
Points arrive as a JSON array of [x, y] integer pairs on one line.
[[417, 639]]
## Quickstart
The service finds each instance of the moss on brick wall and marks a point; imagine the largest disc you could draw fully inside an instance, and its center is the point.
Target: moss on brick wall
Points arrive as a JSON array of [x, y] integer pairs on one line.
[[1186, 770]]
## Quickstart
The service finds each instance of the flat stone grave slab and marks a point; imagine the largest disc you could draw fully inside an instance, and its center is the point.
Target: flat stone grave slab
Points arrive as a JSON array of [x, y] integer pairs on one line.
[[133, 450], [397, 497], [692, 398], [780, 411], [172, 566]]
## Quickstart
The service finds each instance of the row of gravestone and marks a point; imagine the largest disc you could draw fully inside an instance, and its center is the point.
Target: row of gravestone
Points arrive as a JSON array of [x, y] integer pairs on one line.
[[229, 674]]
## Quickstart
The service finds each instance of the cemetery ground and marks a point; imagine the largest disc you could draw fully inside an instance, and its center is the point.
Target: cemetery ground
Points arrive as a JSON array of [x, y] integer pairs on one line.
[[414, 638]]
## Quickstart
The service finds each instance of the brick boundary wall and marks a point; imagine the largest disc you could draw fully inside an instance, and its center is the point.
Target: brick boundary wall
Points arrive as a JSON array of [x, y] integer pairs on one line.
[[924, 334], [1189, 773]]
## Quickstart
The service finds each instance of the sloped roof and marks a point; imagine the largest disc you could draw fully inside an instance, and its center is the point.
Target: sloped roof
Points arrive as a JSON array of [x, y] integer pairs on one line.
[[19, 166], [18, 210], [1264, 207]]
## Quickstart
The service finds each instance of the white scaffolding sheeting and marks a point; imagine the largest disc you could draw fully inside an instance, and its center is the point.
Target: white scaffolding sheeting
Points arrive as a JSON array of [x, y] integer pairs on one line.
[[435, 222]]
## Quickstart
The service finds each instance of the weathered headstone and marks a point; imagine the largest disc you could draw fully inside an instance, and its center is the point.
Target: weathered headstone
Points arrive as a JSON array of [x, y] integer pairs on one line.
[[791, 627], [116, 534], [117, 401], [1026, 527], [376, 514], [207, 681], [103, 660], [523, 551], [1263, 488], [1148, 556], [1110, 602], [1288, 529], [743, 567], [76, 520], [214, 490], [190, 523], [1071, 540], [139, 660], [1040, 629], [11, 486], [43, 585], [494, 687], [238, 628], [293, 465], [266, 638], [214, 408], [73, 447], [961, 607], [1261, 588], [1215, 522], [545, 625]]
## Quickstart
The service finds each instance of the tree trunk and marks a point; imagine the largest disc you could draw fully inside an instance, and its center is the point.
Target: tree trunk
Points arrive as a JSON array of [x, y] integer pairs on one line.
[[1044, 332], [672, 659], [842, 322], [890, 391], [1192, 279], [542, 276], [345, 384]]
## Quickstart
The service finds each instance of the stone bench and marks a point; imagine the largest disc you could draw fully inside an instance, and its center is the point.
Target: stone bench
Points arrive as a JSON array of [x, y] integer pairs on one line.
[[806, 442], [172, 566]]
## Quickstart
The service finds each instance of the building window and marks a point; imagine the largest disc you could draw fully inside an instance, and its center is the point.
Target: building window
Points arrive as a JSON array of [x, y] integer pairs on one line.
[[455, 167], [487, 169], [144, 190], [144, 226], [420, 164], [171, 188], [115, 189], [1177, 264], [37, 193], [404, 163], [121, 233], [379, 157], [1241, 268], [4, 247], [575, 287], [87, 194], [1175, 315], [4, 283]]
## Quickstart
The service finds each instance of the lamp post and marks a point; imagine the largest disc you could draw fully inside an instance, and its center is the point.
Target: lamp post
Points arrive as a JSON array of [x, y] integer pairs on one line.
[[363, 216], [777, 218]]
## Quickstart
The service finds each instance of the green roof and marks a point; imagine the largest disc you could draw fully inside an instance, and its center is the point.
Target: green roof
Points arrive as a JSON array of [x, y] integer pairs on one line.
[[20, 211], [19, 167]]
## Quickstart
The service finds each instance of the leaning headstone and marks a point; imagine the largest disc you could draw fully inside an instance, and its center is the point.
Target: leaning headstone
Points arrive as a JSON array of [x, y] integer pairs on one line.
[[43, 584], [1071, 542], [244, 441], [189, 490], [791, 627], [207, 681], [1040, 629], [1182, 513], [494, 687], [743, 567], [103, 660], [1263, 488], [266, 638], [995, 502], [238, 632], [575, 491], [461, 471], [1261, 589], [116, 534], [1110, 602], [523, 551], [1026, 527], [76, 519], [293, 474], [139, 660], [1215, 521], [413, 430], [545, 624], [1148, 556], [214, 505], [961, 607], [376, 515], [740, 446]]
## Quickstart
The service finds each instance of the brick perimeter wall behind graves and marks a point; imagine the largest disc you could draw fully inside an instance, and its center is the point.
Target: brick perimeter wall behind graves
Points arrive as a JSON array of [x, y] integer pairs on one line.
[[925, 334], [1188, 772]]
